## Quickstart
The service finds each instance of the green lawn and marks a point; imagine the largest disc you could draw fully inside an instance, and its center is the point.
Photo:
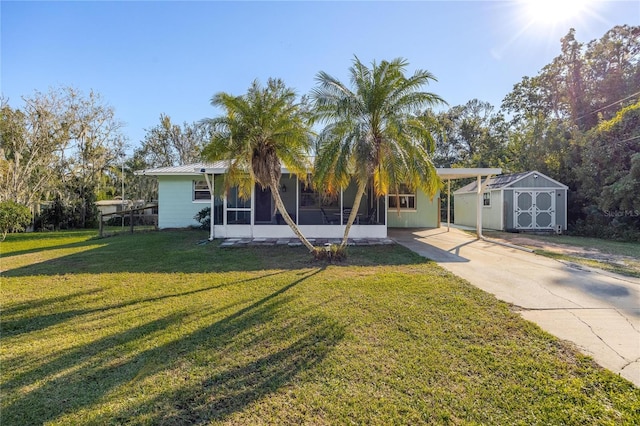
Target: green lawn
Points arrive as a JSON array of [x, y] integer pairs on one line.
[[156, 328]]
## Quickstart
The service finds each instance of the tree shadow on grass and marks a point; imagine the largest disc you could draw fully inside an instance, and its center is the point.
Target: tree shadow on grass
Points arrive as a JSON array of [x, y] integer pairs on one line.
[[85, 243], [26, 317], [260, 353], [180, 251], [232, 389]]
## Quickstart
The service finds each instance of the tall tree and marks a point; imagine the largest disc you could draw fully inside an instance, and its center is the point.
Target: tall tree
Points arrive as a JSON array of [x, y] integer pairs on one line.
[[168, 144], [582, 85], [31, 143], [473, 135], [374, 131], [609, 174], [58, 146], [612, 71], [94, 144], [259, 132]]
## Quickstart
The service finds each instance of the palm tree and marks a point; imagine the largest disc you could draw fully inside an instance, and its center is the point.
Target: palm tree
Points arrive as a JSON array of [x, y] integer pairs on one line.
[[374, 132], [258, 133]]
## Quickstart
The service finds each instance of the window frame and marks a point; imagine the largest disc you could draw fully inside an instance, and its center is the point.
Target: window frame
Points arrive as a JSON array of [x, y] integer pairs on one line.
[[486, 199], [407, 195], [200, 187]]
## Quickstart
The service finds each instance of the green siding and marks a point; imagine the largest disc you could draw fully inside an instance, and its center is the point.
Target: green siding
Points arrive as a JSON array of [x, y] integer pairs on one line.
[[175, 198], [465, 209], [424, 216]]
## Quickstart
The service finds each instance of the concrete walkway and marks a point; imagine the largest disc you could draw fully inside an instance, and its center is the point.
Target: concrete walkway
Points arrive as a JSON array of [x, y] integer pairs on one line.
[[598, 311]]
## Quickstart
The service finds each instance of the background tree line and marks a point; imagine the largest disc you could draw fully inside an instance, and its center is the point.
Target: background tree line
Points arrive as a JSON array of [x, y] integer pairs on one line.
[[577, 120], [65, 150]]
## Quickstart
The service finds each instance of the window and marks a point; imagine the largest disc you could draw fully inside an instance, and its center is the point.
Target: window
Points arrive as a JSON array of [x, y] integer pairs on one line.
[[201, 191], [486, 199], [406, 198]]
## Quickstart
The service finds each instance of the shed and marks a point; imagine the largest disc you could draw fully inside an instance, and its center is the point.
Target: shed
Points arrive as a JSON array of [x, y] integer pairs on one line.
[[528, 201]]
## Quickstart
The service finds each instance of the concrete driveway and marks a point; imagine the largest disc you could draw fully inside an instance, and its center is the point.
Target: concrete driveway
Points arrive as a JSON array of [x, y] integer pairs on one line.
[[598, 311]]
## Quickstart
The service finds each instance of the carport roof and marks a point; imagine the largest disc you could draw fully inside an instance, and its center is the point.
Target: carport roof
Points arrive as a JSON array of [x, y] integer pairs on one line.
[[460, 173]]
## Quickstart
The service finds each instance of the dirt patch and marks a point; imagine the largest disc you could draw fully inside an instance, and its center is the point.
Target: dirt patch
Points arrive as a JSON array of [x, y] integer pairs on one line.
[[568, 250]]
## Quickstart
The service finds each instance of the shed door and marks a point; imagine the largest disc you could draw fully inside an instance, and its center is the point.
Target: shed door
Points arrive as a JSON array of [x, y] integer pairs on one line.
[[534, 209]]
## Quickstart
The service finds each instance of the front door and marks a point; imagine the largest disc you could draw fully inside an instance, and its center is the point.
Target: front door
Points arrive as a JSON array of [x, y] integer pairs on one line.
[[263, 205]]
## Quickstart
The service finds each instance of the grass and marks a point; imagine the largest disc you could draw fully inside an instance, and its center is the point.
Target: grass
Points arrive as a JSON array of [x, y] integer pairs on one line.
[[156, 328]]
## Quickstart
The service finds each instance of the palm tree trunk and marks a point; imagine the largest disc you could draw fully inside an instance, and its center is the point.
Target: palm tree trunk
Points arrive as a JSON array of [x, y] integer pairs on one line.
[[354, 213], [275, 193]]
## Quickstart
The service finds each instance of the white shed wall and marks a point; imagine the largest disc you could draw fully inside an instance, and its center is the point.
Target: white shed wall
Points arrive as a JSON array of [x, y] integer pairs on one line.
[[466, 207], [492, 215]]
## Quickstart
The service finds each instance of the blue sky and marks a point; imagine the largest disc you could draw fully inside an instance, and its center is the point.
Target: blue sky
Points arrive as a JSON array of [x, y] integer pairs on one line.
[[147, 58]]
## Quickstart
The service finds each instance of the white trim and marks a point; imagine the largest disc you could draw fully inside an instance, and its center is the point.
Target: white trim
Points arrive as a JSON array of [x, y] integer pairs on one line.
[[563, 186], [502, 209], [533, 210]]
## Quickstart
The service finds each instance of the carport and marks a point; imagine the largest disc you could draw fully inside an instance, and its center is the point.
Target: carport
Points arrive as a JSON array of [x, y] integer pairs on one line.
[[449, 174]]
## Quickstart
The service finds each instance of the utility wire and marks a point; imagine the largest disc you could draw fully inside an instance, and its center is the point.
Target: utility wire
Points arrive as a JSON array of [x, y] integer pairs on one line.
[[607, 106]]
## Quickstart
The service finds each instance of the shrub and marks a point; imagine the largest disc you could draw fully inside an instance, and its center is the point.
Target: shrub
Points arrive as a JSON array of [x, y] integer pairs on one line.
[[14, 217], [331, 253], [204, 217]]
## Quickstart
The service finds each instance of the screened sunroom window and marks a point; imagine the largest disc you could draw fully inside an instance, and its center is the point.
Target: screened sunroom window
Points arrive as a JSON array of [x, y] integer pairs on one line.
[[238, 209]]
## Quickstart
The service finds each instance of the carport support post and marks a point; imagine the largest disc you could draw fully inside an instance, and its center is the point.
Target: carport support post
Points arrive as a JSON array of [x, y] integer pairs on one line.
[[448, 204], [479, 208]]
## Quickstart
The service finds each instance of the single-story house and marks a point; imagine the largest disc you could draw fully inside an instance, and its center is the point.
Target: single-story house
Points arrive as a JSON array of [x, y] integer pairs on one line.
[[183, 191], [521, 201]]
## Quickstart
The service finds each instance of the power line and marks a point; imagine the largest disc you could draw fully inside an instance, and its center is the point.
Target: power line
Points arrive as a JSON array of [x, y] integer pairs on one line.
[[607, 106]]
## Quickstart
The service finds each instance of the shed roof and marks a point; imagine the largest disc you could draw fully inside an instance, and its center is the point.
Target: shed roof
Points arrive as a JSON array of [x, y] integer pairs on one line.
[[503, 181]]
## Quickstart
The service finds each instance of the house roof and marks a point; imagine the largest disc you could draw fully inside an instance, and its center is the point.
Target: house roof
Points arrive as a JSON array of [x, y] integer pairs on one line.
[[503, 181], [186, 170], [221, 166]]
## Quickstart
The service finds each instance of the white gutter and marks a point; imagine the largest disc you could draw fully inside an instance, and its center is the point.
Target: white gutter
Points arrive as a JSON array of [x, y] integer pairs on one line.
[[211, 188]]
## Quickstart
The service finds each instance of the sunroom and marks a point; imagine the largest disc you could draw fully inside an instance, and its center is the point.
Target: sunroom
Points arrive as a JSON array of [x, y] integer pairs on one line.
[[185, 190]]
